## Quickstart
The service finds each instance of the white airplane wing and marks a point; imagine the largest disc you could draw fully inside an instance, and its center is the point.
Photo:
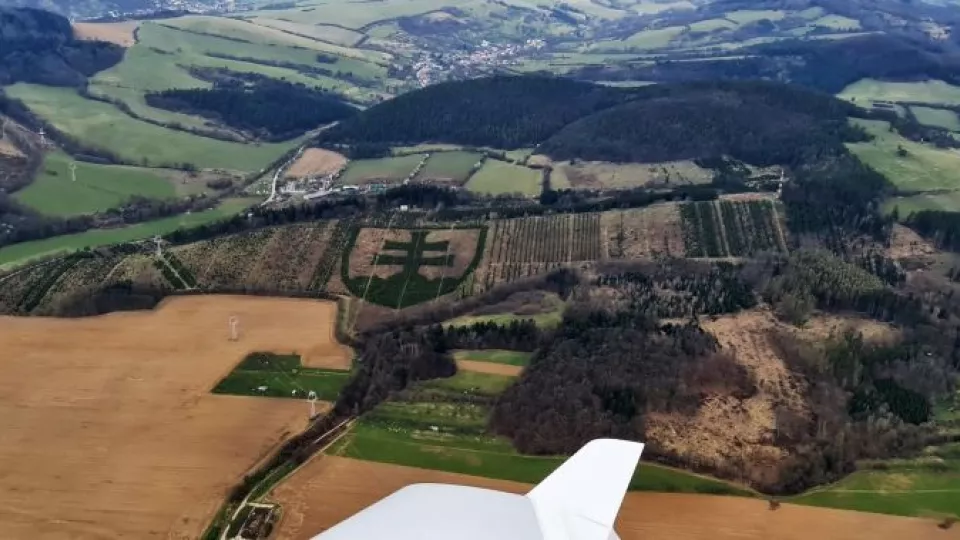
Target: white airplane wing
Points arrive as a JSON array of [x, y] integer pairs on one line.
[[578, 501]]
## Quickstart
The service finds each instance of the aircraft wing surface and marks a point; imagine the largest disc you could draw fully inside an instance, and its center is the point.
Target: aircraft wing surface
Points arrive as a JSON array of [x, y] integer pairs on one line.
[[578, 501]]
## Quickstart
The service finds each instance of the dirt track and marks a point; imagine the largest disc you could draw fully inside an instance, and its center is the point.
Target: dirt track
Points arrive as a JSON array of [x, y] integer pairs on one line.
[[107, 428], [329, 489]]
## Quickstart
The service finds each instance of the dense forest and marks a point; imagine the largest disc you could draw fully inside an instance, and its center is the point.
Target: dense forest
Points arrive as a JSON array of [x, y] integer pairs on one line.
[[756, 122], [501, 112], [825, 65], [39, 47], [271, 109]]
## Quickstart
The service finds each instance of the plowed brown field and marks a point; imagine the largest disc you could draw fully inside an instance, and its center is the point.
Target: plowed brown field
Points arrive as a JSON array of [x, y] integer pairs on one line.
[[120, 33], [330, 489], [107, 426]]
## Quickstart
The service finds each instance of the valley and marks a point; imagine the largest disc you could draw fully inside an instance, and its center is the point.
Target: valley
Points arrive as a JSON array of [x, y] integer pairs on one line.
[[262, 264]]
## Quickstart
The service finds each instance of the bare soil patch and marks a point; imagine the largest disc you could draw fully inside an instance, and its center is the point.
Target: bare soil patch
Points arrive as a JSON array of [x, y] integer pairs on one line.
[[330, 489], [110, 430], [369, 244], [644, 232], [462, 245], [493, 368], [120, 33], [316, 162], [905, 243], [8, 149], [730, 430]]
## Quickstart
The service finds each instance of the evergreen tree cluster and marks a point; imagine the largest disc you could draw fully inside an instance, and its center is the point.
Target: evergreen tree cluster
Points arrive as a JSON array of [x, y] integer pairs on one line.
[[501, 112], [756, 122], [274, 110], [38, 47]]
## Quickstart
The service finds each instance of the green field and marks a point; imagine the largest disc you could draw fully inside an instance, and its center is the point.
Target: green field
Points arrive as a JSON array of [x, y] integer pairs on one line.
[[948, 201], [23, 252], [498, 177], [924, 168], [453, 166], [902, 491], [469, 382], [349, 14], [931, 91], [98, 187], [543, 320], [496, 356], [837, 22], [749, 16], [283, 376], [104, 126], [643, 40], [389, 169], [943, 118]]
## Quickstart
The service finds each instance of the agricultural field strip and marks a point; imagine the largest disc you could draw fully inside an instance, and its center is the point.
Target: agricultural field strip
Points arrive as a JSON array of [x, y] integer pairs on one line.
[[443, 272], [370, 277]]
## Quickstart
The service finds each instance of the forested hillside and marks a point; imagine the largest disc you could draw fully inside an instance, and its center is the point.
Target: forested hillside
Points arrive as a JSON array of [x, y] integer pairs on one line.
[[825, 65], [759, 123], [274, 110], [502, 112], [39, 47]]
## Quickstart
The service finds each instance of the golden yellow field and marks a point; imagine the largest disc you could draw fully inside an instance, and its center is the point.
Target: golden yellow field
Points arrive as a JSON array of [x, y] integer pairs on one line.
[[330, 489], [120, 33], [107, 426], [317, 161]]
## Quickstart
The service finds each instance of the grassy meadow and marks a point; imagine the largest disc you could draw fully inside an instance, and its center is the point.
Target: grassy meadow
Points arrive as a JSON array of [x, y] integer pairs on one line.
[[498, 177], [97, 188], [283, 376], [924, 168], [389, 169], [23, 252], [943, 118], [947, 200], [102, 125], [930, 91], [454, 166], [496, 356]]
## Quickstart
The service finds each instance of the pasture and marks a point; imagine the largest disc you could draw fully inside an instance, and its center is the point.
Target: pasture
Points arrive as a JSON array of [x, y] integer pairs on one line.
[[929, 91], [97, 187], [385, 170], [498, 177], [282, 376], [102, 125], [943, 118], [923, 168], [133, 444], [17, 254], [453, 166], [948, 201]]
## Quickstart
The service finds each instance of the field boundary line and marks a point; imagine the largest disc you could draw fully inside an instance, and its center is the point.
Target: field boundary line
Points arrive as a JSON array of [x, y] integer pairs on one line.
[[403, 291], [366, 289], [442, 274], [717, 217], [775, 217]]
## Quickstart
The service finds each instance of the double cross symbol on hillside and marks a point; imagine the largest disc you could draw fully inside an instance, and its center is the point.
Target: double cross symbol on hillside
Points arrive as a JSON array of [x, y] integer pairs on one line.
[[415, 253]]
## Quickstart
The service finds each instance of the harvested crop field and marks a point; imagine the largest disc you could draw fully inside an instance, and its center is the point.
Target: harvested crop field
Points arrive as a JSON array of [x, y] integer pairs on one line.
[[317, 161], [110, 430], [330, 489], [489, 367], [120, 33]]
